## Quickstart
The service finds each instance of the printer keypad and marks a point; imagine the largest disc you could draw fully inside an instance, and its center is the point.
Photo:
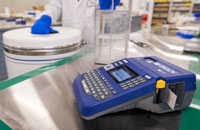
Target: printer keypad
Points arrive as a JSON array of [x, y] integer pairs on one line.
[[98, 85], [132, 83]]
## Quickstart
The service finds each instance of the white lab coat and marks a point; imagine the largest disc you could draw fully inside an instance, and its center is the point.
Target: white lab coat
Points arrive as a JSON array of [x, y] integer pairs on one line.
[[79, 14]]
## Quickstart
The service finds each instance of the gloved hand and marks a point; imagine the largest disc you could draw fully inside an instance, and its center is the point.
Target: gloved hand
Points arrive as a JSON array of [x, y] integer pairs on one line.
[[107, 4], [43, 26]]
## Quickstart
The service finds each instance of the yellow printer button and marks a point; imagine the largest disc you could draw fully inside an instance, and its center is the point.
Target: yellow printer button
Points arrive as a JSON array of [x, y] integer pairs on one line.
[[160, 84]]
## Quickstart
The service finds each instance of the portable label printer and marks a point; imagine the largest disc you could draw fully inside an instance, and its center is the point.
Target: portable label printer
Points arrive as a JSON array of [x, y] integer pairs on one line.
[[147, 83]]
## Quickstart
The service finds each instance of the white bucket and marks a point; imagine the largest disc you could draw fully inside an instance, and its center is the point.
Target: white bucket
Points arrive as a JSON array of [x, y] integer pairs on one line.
[[25, 52]]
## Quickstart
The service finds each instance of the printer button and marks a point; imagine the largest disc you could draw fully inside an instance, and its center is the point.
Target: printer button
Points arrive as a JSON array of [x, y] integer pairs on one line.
[[121, 63], [129, 84], [87, 91], [109, 67], [114, 92], [102, 97], [125, 61], [93, 92], [98, 90], [125, 88], [138, 78], [124, 85], [106, 93], [103, 87], [136, 83], [95, 95], [147, 77], [116, 64], [142, 81], [134, 79], [92, 89], [111, 88], [100, 93], [132, 85], [104, 90]]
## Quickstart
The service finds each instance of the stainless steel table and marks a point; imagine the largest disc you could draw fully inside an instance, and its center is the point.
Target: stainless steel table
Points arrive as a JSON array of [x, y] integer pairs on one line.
[[44, 100]]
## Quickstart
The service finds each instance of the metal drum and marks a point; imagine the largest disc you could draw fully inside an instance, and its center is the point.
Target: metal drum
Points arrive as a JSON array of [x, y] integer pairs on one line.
[[25, 52]]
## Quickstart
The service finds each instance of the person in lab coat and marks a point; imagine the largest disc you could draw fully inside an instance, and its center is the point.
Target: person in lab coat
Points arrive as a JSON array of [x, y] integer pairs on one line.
[[79, 14]]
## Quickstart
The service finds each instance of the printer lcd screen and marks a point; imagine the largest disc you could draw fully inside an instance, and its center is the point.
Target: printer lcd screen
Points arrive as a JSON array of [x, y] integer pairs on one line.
[[122, 73]]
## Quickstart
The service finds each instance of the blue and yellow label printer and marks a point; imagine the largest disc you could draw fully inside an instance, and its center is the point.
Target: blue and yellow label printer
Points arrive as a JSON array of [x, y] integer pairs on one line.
[[147, 83]]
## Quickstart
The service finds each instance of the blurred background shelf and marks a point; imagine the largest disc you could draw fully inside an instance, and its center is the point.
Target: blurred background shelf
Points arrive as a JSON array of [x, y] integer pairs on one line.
[[170, 9]]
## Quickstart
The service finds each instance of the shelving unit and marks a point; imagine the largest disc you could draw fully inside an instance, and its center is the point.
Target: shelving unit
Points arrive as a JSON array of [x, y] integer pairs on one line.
[[195, 7], [160, 11], [164, 10], [178, 8]]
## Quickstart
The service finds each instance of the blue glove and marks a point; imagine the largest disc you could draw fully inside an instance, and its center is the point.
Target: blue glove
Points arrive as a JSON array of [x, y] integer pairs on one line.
[[107, 4], [43, 26]]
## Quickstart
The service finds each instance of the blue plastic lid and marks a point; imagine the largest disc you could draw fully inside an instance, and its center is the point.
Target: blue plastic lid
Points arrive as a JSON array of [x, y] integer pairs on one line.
[[188, 36], [197, 14], [185, 36], [31, 13], [10, 19]]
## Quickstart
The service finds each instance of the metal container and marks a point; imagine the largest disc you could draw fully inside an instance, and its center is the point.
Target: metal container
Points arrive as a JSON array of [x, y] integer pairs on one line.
[[25, 52]]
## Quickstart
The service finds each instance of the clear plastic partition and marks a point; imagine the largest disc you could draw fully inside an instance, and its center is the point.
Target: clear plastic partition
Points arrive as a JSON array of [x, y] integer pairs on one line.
[[112, 32]]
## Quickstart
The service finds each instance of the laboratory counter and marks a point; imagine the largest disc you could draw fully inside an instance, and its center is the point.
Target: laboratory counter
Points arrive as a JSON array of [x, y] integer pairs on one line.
[[44, 100]]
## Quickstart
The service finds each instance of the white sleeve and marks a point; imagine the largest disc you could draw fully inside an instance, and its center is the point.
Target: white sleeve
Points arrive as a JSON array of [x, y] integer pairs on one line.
[[53, 9]]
